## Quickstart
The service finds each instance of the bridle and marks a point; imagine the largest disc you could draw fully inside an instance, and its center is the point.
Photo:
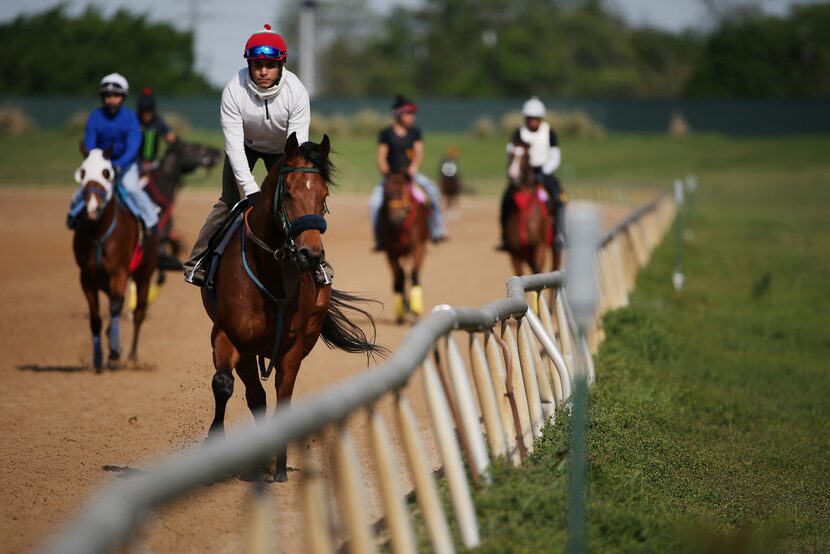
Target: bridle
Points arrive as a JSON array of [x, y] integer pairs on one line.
[[289, 228]]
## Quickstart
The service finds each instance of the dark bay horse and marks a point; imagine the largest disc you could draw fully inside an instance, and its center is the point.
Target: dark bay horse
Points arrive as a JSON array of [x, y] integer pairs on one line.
[[265, 301], [529, 225], [163, 183], [450, 183], [403, 230], [110, 247]]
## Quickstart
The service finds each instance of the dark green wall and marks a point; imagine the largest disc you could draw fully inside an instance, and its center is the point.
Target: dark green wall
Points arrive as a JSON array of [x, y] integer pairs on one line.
[[745, 117]]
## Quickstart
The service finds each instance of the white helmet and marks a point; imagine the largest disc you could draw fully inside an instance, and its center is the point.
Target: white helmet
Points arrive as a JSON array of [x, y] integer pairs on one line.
[[114, 83], [533, 108]]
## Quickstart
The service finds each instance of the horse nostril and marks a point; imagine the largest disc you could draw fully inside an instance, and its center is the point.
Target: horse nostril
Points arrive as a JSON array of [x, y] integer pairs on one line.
[[308, 257]]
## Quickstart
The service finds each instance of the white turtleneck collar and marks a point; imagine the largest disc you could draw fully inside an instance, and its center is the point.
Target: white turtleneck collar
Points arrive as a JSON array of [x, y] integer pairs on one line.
[[265, 93]]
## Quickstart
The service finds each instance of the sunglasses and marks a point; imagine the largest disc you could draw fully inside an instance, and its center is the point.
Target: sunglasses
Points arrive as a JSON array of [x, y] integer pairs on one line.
[[265, 51]]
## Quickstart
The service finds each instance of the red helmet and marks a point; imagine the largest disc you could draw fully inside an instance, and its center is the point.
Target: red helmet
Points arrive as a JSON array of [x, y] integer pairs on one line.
[[266, 45]]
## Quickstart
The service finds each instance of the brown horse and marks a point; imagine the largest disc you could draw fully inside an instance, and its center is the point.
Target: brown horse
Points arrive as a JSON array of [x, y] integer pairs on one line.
[[529, 225], [266, 300], [109, 248], [403, 230]]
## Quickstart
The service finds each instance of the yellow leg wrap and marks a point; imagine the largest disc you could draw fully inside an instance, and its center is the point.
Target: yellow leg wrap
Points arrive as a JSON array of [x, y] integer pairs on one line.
[[416, 300], [132, 296], [398, 306], [153, 293]]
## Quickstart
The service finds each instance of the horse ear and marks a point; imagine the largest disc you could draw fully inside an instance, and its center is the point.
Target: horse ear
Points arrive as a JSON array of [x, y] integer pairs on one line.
[[325, 145], [83, 148], [108, 153], [292, 145]]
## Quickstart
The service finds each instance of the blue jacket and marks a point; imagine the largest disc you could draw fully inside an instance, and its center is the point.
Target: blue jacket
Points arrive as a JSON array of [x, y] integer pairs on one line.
[[121, 132]]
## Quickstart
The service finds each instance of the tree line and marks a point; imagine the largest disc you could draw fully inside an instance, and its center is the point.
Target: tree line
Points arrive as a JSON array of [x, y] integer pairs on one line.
[[54, 53], [466, 48]]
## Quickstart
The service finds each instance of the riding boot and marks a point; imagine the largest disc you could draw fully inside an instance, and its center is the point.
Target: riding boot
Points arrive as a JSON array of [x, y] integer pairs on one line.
[[196, 265]]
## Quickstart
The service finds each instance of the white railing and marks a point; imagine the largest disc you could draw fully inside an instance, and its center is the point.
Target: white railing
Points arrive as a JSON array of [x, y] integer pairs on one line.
[[522, 353]]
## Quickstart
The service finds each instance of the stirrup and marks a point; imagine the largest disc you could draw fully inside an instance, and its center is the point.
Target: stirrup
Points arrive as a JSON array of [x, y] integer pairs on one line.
[[196, 276]]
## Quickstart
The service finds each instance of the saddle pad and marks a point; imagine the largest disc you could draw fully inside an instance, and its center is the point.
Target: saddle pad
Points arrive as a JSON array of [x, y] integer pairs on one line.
[[138, 255], [523, 199]]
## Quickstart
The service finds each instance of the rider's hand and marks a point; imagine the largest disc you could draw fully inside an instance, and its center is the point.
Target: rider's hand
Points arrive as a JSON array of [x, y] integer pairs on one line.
[[253, 198]]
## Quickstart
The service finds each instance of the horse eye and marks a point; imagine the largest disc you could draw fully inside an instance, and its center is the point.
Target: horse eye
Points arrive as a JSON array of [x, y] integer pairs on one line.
[[288, 196], [106, 174]]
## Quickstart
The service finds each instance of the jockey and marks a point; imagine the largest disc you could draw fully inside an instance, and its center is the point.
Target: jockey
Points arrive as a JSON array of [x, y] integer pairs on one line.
[[401, 149], [545, 157], [115, 126], [153, 128], [261, 106]]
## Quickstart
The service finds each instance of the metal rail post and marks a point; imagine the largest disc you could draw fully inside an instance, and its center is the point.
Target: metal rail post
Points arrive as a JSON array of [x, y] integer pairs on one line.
[[583, 232]]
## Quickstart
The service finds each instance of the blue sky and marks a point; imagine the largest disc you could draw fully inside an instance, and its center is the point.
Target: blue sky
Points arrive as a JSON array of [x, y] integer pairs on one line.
[[222, 27]]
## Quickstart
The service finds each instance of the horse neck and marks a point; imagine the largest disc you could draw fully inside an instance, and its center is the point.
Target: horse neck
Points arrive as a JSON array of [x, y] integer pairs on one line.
[[262, 221]]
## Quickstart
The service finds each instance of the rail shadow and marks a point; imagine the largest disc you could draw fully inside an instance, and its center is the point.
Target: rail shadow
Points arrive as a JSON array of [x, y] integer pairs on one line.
[[37, 368]]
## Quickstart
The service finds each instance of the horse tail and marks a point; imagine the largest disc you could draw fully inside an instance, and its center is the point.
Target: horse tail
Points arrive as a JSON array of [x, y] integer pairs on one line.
[[339, 331]]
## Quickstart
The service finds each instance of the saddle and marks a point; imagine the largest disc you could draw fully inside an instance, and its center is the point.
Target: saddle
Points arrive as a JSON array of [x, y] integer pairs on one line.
[[220, 238]]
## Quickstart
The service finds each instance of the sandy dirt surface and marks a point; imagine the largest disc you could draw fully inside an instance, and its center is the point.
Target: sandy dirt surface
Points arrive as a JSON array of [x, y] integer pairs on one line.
[[68, 430]]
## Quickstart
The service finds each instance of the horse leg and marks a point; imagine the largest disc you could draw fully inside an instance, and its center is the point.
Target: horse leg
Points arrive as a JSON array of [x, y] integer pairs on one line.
[[142, 284], [118, 286], [287, 371], [91, 294], [416, 294], [254, 393], [516, 261], [398, 277], [225, 358]]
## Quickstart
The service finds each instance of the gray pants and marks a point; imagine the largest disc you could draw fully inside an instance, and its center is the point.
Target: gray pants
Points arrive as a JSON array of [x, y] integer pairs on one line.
[[230, 196]]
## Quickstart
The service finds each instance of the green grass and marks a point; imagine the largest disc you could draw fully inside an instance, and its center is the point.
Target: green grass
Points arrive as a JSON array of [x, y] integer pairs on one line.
[[619, 161], [709, 425]]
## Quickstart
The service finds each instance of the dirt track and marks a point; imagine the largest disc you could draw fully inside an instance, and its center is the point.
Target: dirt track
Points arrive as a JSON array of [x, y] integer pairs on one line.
[[68, 430]]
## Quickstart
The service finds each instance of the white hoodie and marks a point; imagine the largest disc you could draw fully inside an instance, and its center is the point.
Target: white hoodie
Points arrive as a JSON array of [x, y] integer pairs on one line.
[[261, 119]]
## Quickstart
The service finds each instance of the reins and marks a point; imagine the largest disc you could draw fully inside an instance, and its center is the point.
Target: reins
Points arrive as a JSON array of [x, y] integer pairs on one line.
[[287, 250]]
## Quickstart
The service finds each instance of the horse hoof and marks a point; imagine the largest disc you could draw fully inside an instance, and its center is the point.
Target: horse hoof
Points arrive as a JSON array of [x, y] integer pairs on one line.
[[281, 477], [114, 364]]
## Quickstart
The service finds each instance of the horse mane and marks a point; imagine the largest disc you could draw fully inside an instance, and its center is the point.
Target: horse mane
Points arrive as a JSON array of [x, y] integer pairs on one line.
[[311, 152]]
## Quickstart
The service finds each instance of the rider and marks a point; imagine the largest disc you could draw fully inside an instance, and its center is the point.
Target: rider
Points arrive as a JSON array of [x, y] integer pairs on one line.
[[115, 126], [401, 149], [261, 106], [545, 157], [153, 127]]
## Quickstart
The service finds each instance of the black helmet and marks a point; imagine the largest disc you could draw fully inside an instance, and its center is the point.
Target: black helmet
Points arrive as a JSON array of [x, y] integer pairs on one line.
[[146, 102]]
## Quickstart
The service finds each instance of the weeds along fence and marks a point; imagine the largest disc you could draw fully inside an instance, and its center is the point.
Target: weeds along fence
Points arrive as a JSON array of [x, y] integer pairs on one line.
[[522, 354]]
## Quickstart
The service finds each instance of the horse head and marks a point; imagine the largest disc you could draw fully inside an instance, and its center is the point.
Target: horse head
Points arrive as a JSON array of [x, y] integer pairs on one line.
[[396, 197], [190, 156], [302, 186], [97, 177], [519, 171]]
